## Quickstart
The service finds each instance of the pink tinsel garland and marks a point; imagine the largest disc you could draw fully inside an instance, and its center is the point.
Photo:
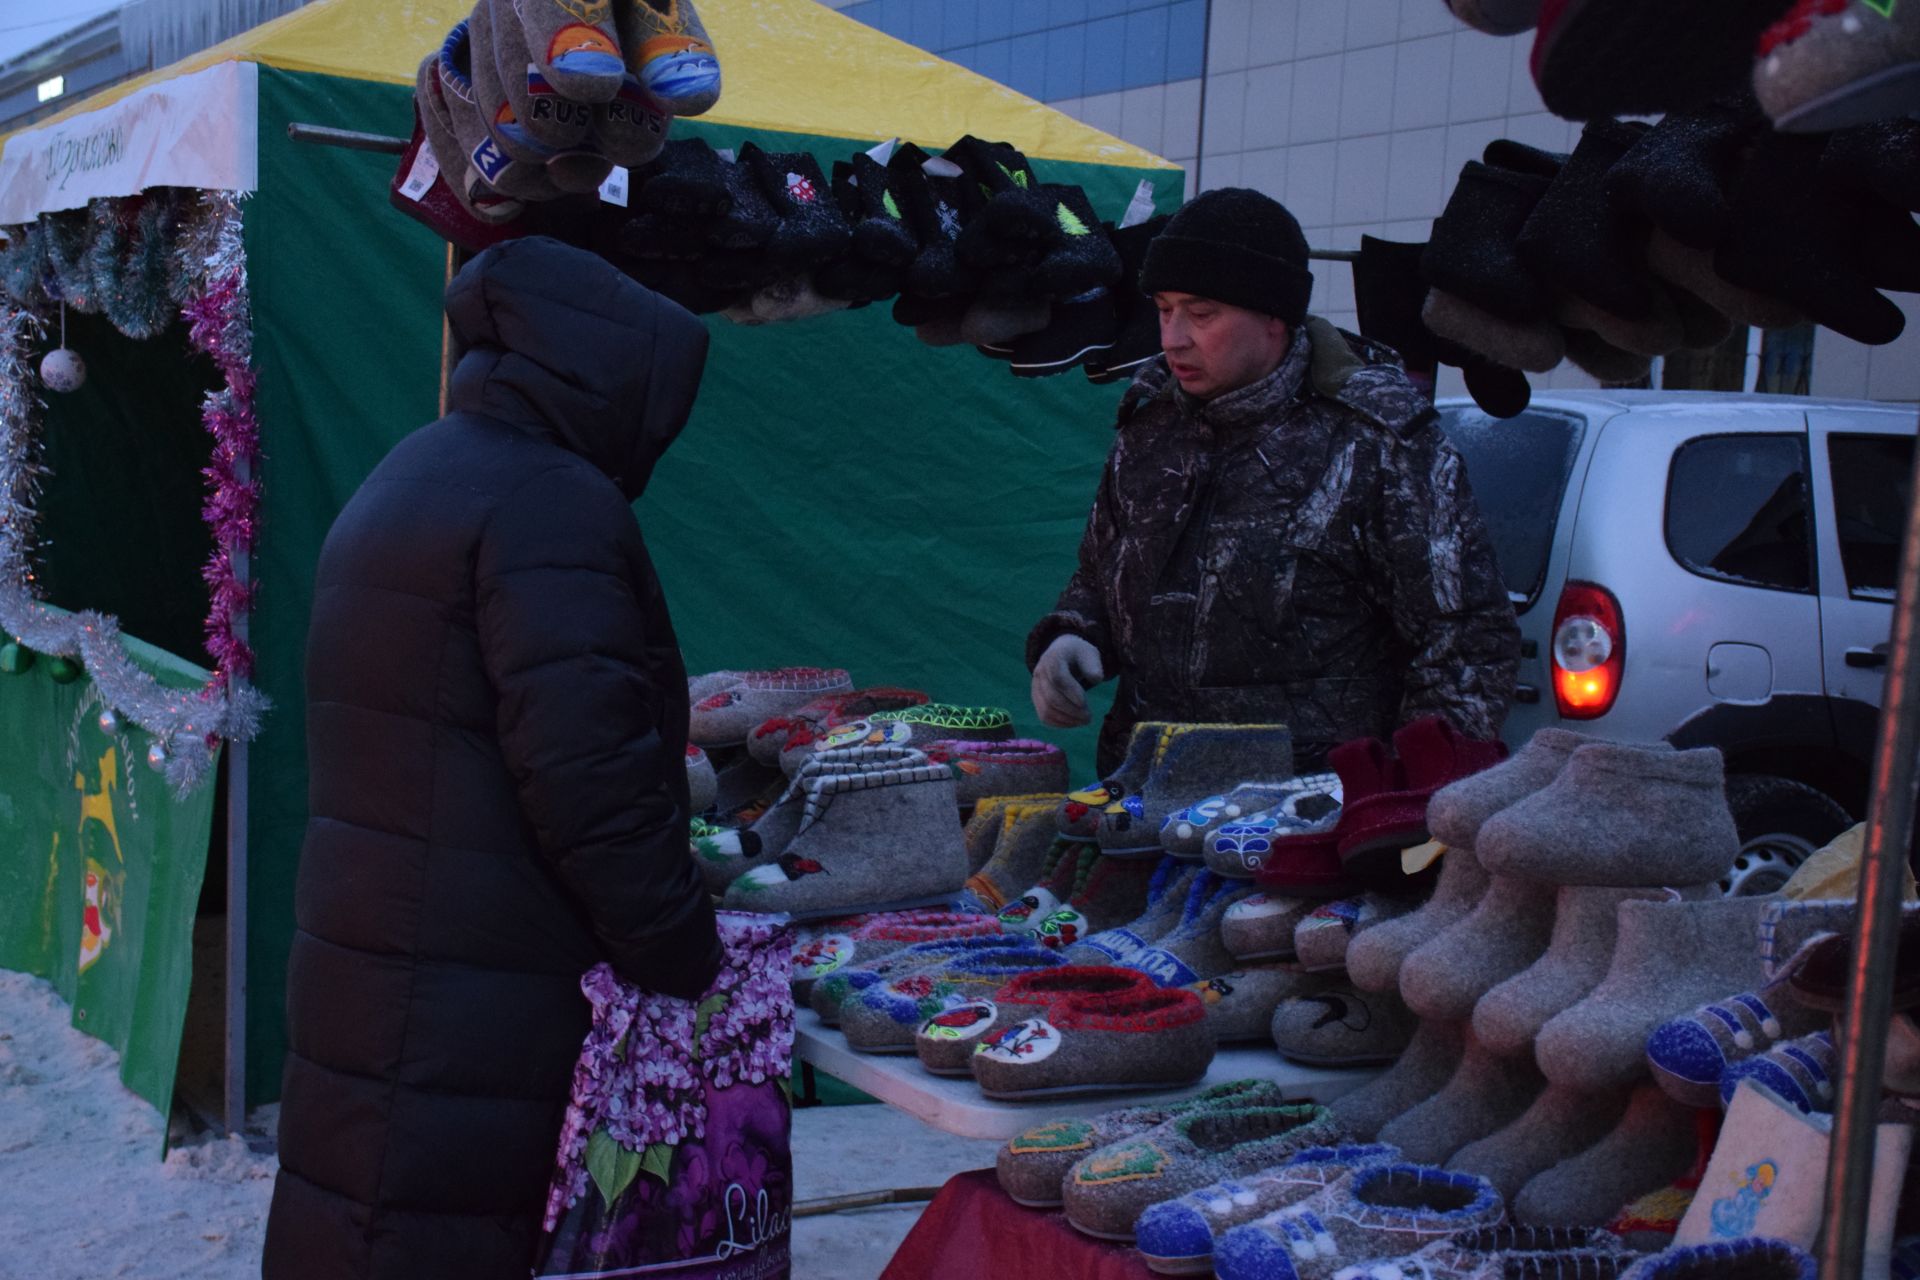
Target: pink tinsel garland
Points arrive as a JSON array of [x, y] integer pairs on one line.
[[219, 324]]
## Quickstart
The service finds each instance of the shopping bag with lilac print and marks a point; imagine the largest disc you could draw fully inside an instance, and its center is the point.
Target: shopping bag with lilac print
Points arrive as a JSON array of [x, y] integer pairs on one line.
[[674, 1156]]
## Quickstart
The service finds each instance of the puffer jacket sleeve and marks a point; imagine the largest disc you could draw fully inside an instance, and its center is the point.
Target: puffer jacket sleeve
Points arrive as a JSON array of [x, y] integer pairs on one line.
[[565, 601], [1437, 572], [1081, 609]]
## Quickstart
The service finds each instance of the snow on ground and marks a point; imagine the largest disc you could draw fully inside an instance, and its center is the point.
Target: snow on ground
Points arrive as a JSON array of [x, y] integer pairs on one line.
[[85, 1196]]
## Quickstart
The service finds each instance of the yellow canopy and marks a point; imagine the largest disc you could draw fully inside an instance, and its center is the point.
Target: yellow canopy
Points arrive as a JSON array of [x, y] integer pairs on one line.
[[792, 66]]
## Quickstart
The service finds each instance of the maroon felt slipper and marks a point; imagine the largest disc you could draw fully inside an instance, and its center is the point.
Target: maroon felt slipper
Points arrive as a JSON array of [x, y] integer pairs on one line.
[[1373, 830]]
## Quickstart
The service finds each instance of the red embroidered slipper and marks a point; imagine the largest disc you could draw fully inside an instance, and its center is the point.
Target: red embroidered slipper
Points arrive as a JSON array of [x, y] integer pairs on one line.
[[1373, 830], [1308, 865]]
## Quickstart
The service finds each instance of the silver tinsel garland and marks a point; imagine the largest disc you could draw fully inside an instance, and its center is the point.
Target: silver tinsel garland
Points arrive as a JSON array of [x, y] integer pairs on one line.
[[187, 725]]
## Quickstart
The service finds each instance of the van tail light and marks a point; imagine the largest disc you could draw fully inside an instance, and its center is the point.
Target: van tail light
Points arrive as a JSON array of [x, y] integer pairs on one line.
[[1589, 651]]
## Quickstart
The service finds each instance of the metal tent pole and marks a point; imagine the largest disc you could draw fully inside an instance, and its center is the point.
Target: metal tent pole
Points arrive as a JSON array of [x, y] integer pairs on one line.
[[1863, 1027]]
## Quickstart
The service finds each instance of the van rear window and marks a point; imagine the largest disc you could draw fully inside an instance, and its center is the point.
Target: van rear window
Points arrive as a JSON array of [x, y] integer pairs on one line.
[[1871, 476], [1518, 468]]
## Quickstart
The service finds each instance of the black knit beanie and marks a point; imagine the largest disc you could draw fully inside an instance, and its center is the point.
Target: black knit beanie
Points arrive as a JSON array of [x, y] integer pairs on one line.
[[1235, 246]]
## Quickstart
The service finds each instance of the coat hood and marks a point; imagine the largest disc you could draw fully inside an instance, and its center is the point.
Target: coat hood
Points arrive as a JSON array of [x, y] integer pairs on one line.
[[559, 341]]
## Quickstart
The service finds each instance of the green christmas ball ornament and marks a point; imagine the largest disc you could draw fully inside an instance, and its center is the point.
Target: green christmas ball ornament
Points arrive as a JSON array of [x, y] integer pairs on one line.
[[63, 670], [15, 657]]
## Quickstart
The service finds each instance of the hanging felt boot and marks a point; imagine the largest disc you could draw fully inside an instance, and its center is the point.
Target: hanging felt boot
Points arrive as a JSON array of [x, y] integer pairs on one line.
[[1482, 295], [1557, 1126], [1605, 363], [1578, 955], [868, 842], [811, 227], [665, 47], [1678, 174], [1792, 237], [1832, 64], [1497, 17], [1077, 328], [1485, 1094], [1668, 957], [1014, 218], [1137, 337], [935, 201], [1076, 255]]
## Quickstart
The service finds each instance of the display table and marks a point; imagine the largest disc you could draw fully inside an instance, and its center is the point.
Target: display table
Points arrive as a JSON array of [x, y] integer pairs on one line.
[[973, 1229], [955, 1104]]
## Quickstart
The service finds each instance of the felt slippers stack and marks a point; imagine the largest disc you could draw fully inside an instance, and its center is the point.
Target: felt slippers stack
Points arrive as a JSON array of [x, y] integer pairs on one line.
[[530, 101]]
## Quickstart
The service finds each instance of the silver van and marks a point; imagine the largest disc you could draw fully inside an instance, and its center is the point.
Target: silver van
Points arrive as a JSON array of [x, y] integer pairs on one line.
[[1706, 568]]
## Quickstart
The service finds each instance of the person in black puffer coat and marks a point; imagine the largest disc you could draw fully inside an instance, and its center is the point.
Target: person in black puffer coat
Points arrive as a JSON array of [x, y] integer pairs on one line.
[[496, 729]]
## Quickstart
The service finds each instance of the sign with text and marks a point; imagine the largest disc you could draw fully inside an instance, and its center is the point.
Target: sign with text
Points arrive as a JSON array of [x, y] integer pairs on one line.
[[199, 130]]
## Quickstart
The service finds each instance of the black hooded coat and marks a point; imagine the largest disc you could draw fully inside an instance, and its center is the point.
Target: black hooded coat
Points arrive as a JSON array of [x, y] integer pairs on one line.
[[496, 731]]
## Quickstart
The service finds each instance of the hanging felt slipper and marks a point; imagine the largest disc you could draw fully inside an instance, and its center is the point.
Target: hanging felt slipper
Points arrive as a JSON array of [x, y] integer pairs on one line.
[[666, 48], [1594, 58], [1832, 64], [487, 163], [574, 45]]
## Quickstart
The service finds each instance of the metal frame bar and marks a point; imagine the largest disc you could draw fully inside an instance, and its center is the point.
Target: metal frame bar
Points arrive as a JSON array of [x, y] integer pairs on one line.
[[1862, 1032]]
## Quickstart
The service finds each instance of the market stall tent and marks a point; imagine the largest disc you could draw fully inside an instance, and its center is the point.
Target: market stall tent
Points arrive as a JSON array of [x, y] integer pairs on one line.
[[845, 495]]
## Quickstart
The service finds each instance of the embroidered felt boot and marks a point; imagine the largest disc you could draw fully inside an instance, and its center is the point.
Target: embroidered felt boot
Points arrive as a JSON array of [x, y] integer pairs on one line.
[[1081, 813], [1167, 905], [1026, 836], [725, 717], [1192, 761]]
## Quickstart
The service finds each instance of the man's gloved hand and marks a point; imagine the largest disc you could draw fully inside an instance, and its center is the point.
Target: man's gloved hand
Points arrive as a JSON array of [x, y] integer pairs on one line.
[[1069, 667]]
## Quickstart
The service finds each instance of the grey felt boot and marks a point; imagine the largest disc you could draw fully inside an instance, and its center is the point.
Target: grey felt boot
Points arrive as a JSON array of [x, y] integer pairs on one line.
[[1422, 1071], [1559, 1125], [1655, 1142], [1374, 958], [1192, 949], [1485, 1094], [1507, 931], [1619, 815], [867, 842], [1668, 957], [1456, 811], [1508, 1017], [1019, 853]]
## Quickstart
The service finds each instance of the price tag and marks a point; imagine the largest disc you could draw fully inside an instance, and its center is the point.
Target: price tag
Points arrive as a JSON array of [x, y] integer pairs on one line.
[[1140, 208], [614, 189], [420, 176]]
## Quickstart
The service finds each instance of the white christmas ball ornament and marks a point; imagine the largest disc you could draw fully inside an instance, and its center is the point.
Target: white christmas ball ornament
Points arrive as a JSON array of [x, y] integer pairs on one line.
[[109, 721], [63, 370], [157, 754]]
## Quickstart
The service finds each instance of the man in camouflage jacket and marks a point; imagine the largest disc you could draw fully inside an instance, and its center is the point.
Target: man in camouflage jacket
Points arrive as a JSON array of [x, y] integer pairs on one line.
[[1289, 542]]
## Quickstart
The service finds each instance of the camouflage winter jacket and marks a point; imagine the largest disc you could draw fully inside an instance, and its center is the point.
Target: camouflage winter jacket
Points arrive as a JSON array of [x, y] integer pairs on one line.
[[1277, 554]]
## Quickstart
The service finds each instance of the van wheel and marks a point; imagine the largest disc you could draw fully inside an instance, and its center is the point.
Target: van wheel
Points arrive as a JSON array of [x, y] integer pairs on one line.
[[1781, 823]]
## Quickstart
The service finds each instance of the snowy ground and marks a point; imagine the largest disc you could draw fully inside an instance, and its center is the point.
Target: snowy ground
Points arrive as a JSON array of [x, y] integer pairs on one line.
[[85, 1196]]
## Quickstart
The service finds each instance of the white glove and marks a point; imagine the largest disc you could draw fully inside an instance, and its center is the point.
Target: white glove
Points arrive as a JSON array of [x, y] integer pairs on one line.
[[1069, 667]]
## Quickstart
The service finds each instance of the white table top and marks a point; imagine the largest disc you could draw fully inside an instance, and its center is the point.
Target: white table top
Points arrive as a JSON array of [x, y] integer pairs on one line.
[[954, 1104]]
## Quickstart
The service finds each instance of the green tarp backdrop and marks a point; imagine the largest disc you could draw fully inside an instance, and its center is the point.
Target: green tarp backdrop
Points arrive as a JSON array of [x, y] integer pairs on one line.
[[845, 495], [98, 893]]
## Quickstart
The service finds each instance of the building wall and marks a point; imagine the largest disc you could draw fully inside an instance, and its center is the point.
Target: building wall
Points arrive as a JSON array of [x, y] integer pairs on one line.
[[1356, 114]]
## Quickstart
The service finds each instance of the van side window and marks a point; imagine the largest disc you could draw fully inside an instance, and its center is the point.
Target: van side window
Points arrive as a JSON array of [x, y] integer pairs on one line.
[[1737, 510], [1871, 476]]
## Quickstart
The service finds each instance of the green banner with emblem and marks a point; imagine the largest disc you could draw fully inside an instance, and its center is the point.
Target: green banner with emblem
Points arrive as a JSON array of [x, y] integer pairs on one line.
[[100, 865]]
